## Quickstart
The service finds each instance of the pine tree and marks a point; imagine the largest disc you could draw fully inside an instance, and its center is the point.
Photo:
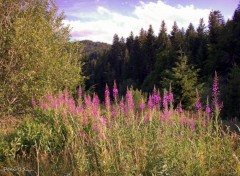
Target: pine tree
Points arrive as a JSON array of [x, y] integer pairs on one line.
[[184, 81], [232, 94], [176, 37], [215, 53], [190, 43], [202, 48]]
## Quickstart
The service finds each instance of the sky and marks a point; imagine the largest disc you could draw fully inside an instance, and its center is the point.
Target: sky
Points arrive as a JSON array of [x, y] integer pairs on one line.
[[99, 20]]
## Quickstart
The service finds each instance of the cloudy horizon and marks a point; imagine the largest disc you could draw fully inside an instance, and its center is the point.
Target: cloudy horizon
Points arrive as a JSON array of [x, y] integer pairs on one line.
[[99, 20]]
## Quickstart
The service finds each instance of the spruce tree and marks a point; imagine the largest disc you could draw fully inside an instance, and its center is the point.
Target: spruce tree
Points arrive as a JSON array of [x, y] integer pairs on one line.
[[232, 94], [184, 79]]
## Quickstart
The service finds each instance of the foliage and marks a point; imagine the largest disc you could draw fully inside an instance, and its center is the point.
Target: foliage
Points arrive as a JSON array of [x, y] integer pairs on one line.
[[145, 60], [35, 52], [185, 81], [232, 94], [83, 137]]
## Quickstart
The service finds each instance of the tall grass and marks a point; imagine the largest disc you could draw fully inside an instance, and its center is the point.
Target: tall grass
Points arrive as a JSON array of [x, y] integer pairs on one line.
[[130, 135]]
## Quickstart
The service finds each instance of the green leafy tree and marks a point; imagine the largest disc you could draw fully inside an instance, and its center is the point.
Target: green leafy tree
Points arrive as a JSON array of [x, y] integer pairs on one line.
[[35, 53]]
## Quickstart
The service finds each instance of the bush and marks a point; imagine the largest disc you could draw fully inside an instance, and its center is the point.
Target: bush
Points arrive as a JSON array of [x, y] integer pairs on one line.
[[35, 52]]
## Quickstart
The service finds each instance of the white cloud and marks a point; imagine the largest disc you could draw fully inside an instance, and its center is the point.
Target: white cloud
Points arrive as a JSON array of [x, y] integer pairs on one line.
[[104, 23]]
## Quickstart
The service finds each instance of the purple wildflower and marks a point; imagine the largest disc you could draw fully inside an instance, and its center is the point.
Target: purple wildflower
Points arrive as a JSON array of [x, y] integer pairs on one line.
[[150, 102], [65, 93], [107, 97], [87, 100], [33, 102], [179, 108], [80, 92], [165, 100], [215, 94], [95, 128], [60, 97], [183, 121], [102, 121], [142, 105], [54, 104], [130, 99], [198, 105], [49, 97], [95, 100], [170, 95], [115, 91], [156, 97], [192, 125], [121, 104], [208, 110], [146, 118]]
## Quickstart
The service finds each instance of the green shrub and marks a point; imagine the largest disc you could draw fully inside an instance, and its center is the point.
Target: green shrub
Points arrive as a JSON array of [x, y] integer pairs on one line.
[[35, 54]]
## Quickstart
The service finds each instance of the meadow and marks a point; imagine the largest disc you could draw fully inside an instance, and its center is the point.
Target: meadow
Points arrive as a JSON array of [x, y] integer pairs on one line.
[[130, 135]]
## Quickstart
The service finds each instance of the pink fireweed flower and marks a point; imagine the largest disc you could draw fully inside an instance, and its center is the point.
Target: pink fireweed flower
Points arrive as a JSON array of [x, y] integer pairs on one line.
[[215, 94], [165, 100], [114, 112], [107, 97], [60, 97], [80, 92], [54, 104], [115, 91], [167, 114], [198, 106], [142, 105], [162, 118], [150, 102], [41, 103], [45, 107], [146, 118], [87, 101], [169, 122], [79, 108], [71, 103], [49, 97], [156, 97], [102, 121], [121, 104], [129, 98], [204, 122], [179, 108], [33, 102], [95, 100], [192, 125], [95, 128], [208, 110], [65, 93], [183, 121], [170, 95]]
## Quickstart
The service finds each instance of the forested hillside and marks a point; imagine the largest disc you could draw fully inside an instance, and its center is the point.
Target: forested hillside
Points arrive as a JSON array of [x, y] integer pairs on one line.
[[184, 58], [146, 105]]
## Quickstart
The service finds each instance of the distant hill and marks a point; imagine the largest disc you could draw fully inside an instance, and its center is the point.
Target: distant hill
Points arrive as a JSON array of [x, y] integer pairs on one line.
[[93, 48]]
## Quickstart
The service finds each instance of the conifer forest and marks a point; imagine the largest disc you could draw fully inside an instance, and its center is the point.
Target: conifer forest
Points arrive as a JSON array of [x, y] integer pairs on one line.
[[161, 102]]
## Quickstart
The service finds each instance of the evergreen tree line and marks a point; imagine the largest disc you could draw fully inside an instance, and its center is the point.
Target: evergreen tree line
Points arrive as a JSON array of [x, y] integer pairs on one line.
[[184, 59]]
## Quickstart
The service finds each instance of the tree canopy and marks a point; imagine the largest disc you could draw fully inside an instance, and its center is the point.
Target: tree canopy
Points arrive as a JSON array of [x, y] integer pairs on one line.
[[35, 53]]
